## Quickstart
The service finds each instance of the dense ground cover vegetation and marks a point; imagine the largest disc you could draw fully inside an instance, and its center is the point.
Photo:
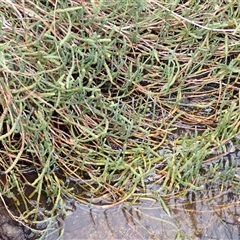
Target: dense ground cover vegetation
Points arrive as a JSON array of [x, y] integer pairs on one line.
[[108, 101]]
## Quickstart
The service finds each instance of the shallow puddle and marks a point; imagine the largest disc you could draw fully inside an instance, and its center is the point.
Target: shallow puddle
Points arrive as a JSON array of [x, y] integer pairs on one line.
[[212, 217], [212, 213]]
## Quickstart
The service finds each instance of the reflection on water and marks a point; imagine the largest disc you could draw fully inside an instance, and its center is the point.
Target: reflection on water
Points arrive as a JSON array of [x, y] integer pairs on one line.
[[212, 217], [212, 213], [198, 215]]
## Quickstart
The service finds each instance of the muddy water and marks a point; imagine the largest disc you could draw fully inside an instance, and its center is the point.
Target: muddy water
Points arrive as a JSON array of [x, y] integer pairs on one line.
[[212, 213], [206, 215]]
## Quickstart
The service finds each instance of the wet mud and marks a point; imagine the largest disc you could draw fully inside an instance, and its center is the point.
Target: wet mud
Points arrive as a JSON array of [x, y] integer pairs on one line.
[[9, 229]]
